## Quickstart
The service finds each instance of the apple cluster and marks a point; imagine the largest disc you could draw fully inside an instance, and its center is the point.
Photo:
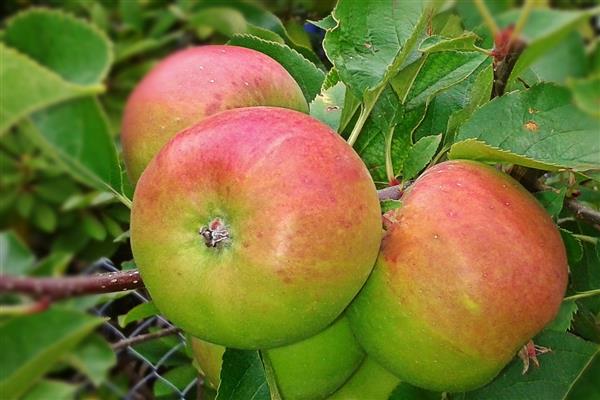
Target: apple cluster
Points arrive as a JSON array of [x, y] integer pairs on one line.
[[255, 226]]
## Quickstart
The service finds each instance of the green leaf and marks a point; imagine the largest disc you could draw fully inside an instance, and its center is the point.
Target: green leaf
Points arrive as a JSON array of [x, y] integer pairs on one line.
[[326, 23], [538, 128], [131, 14], [435, 43], [242, 376], [28, 87], [180, 377], [77, 133], [588, 386], [585, 274], [552, 66], [93, 227], [388, 205], [328, 106], [542, 31], [559, 370], [44, 217], [15, 256], [51, 389], [586, 94], [125, 50], [552, 200], [563, 320], [372, 39], [69, 46], [308, 76], [141, 311], [419, 155], [479, 90], [94, 358], [386, 136], [439, 72], [32, 344]]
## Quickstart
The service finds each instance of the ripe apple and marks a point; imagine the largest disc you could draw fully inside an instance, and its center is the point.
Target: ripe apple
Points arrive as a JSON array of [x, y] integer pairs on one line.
[[255, 228], [307, 370], [370, 382], [471, 267], [194, 83]]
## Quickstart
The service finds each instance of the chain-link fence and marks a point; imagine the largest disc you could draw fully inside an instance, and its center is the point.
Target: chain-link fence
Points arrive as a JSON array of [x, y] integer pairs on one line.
[[143, 362]]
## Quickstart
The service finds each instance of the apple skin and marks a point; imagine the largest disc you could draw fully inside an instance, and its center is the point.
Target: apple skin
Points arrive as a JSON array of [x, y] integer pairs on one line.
[[194, 83], [301, 211], [370, 382], [471, 267], [310, 369]]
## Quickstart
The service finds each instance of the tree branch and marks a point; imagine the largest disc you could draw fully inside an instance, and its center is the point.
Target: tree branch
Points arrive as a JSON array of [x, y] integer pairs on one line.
[[145, 338], [71, 286], [52, 289], [582, 212]]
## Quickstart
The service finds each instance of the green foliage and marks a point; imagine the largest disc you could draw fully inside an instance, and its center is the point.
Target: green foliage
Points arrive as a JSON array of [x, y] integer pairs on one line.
[[558, 373], [308, 76], [531, 128], [29, 349], [243, 376]]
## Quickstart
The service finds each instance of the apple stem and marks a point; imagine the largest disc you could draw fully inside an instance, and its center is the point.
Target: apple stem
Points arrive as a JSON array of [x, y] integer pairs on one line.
[[215, 234]]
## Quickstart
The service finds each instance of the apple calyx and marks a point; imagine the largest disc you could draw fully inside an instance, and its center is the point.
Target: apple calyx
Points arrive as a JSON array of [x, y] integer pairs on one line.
[[215, 234]]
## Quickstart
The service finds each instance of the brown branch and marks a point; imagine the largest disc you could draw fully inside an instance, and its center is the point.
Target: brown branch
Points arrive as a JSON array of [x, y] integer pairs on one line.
[[145, 338], [504, 66], [71, 286], [582, 212], [391, 193]]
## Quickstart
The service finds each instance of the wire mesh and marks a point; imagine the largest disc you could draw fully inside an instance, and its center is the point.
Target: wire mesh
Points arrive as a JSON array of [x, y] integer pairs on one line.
[[146, 371]]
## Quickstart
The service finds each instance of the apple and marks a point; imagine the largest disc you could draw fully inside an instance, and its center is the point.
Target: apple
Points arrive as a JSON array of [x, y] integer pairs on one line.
[[471, 267], [307, 370], [255, 228], [370, 382], [194, 83]]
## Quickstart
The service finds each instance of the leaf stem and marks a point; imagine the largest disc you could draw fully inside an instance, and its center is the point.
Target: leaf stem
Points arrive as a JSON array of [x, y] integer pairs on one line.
[[270, 376], [583, 295], [488, 19], [389, 166], [516, 32], [362, 118]]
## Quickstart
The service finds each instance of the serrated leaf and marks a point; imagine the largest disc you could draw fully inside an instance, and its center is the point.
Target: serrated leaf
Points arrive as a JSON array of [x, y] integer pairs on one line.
[[564, 318], [94, 358], [372, 39], [32, 344], [538, 128], [419, 155], [325, 23], [51, 389], [439, 72], [552, 200], [559, 370], [436, 43], [387, 133], [542, 31], [15, 256], [69, 46], [28, 87], [141, 311], [308, 76], [243, 376], [328, 106]]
